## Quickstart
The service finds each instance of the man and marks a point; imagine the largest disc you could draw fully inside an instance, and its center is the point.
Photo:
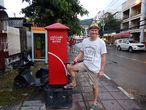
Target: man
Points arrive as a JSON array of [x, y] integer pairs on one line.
[[93, 52]]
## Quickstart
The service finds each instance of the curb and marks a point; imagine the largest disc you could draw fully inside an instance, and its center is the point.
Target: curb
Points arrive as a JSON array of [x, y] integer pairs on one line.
[[120, 88]]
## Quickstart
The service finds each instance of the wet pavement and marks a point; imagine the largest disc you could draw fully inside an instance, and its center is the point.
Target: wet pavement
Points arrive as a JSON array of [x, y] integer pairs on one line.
[[127, 69]]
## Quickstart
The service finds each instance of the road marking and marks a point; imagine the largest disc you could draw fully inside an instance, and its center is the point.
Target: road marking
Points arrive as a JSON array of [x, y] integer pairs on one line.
[[125, 92], [122, 90], [122, 56], [107, 77]]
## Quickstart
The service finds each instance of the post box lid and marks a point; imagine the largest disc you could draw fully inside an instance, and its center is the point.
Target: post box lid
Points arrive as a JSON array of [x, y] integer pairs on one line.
[[56, 26]]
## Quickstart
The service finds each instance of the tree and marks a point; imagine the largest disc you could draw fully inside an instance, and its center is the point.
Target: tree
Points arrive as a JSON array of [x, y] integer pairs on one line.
[[46, 12], [111, 24]]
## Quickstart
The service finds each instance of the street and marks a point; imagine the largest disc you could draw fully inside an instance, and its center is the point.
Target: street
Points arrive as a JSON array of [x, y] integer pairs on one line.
[[127, 69]]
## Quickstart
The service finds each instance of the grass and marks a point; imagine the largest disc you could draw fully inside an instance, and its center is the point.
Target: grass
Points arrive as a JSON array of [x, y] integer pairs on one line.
[[8, 94]]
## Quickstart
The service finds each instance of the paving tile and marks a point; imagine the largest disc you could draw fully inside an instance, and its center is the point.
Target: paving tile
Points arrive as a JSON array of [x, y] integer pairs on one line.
[[119, 95], [43, 107], [129, 105], [32, 103], [81, 105], [111, 105], [105, 96], [102, 89], [30, 108], [77, 97], [107, 82], [111, 88]]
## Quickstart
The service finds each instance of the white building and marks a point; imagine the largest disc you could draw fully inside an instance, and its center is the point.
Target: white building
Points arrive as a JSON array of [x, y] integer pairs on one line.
[[134, 18]]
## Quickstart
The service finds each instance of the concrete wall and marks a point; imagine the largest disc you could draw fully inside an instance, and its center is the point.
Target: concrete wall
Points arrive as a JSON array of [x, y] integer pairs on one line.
[[13, 36]]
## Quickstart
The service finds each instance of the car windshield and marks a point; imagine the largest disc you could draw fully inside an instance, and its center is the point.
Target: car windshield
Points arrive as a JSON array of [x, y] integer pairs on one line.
[[133, 41]]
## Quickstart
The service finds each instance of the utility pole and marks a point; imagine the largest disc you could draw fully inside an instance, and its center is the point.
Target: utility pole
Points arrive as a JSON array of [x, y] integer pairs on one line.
[[142, 19]]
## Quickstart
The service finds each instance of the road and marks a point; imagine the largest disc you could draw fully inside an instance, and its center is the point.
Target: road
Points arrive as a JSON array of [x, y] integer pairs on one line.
[[127, 69]]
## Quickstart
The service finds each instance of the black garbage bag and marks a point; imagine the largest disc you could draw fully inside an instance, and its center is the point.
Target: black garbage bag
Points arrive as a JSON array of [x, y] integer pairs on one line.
[[25, 77], [42, 75]]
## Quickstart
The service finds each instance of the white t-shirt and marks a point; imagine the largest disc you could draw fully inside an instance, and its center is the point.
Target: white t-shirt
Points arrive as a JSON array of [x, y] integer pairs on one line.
[[92, 53]]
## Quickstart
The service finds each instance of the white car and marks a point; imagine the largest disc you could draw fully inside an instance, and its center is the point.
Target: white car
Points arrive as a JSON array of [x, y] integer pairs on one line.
[[130, 45], [117, 42]]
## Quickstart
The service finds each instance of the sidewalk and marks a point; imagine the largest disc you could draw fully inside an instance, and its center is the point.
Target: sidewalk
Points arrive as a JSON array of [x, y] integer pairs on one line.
[[111, 96]]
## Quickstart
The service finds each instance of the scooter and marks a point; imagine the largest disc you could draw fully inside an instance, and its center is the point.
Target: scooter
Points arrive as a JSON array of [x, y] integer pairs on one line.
[[25, 77]]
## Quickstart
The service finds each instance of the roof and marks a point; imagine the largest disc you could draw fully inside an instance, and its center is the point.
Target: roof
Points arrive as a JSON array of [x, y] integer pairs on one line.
[[38, 29], [1, 7], [16, 18], [56, 26], [122, 34]]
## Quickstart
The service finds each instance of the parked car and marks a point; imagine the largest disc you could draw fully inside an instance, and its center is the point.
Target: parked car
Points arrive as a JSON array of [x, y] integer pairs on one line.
[[130, 45], [117, 42]]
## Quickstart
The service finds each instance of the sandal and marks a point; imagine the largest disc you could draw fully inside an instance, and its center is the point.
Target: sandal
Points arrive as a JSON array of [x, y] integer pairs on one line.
[[69, 86], [93, 107], [96, 106]]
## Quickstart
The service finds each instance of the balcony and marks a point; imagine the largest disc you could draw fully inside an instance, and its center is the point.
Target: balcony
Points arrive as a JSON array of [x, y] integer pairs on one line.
[[136, 10], [126, 14], [135, 24], [126, 26]]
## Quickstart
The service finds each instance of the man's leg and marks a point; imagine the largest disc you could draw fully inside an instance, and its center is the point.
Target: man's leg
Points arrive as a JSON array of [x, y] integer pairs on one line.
[[95, 93], [72, 70], [93, 80]]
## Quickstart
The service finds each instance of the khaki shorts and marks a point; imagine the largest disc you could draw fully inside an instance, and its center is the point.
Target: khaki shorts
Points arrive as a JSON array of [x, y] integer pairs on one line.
[[81, 67]]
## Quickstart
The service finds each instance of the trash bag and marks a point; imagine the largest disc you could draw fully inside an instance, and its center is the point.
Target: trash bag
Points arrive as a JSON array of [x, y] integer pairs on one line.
[[24, 79]]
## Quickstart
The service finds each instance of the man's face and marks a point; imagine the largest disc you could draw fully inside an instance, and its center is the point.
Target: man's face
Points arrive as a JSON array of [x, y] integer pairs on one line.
[[93, 32]]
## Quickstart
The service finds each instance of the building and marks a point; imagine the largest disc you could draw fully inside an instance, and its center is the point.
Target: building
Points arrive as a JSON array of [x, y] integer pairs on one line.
[[3, 35], [134, 19], [12, 38]]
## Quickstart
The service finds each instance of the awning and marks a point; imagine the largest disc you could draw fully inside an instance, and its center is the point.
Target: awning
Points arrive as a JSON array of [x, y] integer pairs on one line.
[[122, 34]]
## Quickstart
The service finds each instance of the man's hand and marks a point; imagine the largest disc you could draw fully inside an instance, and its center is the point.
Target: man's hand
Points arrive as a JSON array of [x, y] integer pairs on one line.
[[76, 60], [100, 74]]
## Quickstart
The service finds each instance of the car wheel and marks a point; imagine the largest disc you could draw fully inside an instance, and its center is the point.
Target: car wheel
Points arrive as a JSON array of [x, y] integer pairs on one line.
[[130, 49], [119, 48]]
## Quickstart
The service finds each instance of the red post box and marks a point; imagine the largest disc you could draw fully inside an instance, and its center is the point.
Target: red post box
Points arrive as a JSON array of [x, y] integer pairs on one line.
[[57, 54]]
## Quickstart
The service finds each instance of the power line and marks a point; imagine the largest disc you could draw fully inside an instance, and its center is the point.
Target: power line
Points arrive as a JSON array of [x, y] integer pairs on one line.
[[109, 4], [112, 4]]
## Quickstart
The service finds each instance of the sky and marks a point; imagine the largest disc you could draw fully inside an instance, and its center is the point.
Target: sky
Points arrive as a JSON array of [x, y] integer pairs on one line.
[[13, 7]]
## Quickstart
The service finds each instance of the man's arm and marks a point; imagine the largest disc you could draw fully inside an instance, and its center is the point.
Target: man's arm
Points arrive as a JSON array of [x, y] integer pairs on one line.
[[103, 63], [79, 56]]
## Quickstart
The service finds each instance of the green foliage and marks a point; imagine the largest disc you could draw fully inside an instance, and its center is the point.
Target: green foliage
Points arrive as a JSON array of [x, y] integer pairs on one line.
[[112, 24], [86, 21], [46, 12]]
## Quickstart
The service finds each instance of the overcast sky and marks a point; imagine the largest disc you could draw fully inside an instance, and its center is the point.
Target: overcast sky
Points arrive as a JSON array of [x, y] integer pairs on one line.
[[93, 6]]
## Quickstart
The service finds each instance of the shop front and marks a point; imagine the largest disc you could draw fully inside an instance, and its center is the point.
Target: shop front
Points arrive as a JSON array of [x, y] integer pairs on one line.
[[39, 44]]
